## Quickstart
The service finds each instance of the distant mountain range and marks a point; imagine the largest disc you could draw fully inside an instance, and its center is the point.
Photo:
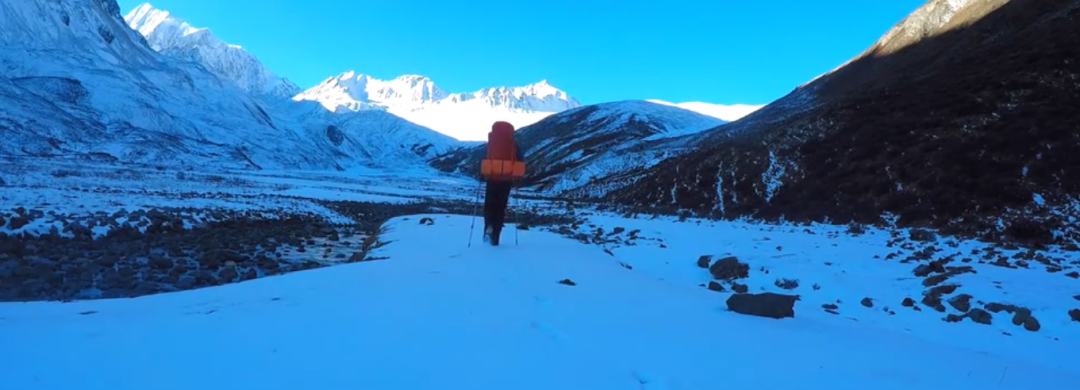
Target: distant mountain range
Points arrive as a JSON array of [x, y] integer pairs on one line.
[[464, 116]]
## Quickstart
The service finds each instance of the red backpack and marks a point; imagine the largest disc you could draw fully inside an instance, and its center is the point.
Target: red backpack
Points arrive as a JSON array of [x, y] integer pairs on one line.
[[501, 163]]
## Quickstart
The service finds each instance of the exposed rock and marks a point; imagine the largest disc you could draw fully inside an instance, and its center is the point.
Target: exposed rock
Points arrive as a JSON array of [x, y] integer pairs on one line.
[[980, 316], [961, 302], [1075, 314], [568, 282], [908, 302], [867, 302], [228, 274], [769, 305], [830, 306], [713, 285], [704, 260], [933, 301], [739, 287], [729, 268], [17, 222], [427, 221], [159, 261], [922, 235], [787, 284]]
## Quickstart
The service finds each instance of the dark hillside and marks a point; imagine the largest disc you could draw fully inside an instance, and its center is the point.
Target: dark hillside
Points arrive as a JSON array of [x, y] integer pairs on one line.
[[950, 125]]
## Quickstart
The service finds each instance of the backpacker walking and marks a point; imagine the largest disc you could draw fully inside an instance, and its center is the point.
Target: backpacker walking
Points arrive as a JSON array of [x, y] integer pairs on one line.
[[504, 165]]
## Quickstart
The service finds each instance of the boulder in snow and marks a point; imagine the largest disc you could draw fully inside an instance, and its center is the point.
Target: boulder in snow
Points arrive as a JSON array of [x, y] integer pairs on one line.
[[771, 305], [729, 268]]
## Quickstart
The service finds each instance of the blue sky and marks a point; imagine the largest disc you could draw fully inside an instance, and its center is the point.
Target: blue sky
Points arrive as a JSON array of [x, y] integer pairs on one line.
[[717, 51]]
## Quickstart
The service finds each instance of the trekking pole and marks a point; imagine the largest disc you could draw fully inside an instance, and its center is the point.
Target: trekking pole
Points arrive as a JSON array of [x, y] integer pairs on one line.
[[476, 206], [517, 222]]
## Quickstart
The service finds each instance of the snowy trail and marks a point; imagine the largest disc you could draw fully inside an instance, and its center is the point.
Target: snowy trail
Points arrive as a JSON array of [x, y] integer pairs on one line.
[[438, 315]]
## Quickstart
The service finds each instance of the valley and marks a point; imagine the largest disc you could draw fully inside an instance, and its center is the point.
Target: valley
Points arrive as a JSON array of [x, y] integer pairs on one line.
[[906, 220]]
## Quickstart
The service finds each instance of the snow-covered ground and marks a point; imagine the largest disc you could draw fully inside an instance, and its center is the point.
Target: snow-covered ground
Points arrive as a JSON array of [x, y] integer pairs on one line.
[[437, 313], [439, 309]]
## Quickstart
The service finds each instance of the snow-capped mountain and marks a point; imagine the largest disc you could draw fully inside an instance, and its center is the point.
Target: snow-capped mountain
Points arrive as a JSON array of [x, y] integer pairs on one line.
[[176, 38], [79, 82], [727, 113], [465, 116], [572, 148]]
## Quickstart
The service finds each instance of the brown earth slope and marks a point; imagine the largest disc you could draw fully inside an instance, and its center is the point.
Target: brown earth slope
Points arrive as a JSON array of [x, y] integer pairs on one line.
[[954, 119]]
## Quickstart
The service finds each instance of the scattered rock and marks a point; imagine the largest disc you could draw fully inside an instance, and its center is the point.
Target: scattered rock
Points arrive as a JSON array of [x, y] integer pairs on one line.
[[980, 316], [729, 268], [1075, 314], [770, 305], [933, 301], [787, 284], [830, 306], [427, 221], [713, 285], [704, 260], [908, 302], [739, 288], [954, 318], [1024, 317], [867, 302], [961, 302], [568, 282], [161, 262], [228, 275], [1074, 274], [922, 235], [17, 222]]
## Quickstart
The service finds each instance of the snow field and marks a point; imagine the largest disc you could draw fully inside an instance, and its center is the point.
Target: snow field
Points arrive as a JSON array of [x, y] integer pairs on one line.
[[441, 315]]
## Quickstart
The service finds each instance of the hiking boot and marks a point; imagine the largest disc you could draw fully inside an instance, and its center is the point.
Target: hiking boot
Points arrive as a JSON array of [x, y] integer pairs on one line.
[[495, 235]]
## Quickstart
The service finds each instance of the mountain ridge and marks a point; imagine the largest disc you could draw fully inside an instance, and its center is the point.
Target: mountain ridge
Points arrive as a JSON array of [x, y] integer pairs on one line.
[[464, 115], [175, 37], [84, 85], [916, 137]]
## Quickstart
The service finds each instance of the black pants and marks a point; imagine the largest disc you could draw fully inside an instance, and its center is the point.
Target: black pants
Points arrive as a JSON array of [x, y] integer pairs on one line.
[[495, 200]]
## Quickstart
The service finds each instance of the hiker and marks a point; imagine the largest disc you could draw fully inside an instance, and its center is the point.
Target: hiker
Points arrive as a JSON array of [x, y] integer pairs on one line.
[[505, 163]]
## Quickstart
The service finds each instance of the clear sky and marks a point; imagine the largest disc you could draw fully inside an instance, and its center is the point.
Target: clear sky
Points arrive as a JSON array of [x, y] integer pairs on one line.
[[716, 51]]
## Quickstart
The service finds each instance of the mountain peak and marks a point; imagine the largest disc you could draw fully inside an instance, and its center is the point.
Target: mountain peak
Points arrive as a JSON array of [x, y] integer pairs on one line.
[[174, 37]]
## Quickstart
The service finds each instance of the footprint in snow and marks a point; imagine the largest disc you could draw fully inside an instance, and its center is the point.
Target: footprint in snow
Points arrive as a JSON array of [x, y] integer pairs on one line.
[[649, 381], [543, 302], [549, 330]]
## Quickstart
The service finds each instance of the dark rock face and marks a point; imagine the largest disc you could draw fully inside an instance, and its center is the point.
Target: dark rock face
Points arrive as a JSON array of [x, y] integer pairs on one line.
[[769, 305], [912, 127]]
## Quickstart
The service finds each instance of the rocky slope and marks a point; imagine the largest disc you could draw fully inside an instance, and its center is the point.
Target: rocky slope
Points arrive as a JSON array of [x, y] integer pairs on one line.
[[569, 150], [961, 118], [79, 83]]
